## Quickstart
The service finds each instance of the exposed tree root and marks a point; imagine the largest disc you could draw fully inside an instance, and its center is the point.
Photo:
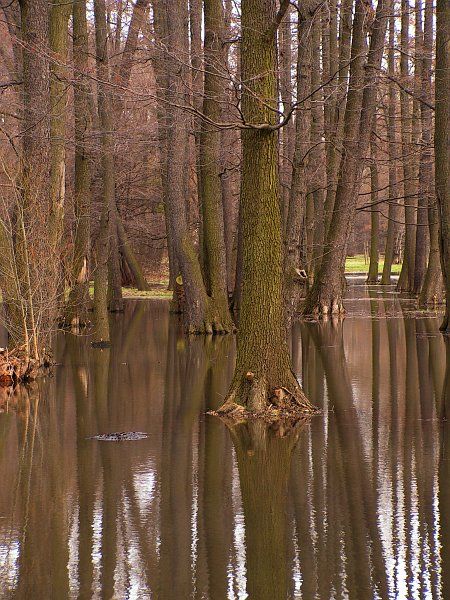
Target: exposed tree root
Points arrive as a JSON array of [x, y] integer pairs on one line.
[[17, 367], [253, 400]]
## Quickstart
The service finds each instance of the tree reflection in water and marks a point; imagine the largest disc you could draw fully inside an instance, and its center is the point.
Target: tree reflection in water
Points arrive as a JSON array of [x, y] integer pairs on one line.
[[353, 505]]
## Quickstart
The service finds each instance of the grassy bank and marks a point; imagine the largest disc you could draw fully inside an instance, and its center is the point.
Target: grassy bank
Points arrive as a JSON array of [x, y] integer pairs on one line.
[[357, 264]]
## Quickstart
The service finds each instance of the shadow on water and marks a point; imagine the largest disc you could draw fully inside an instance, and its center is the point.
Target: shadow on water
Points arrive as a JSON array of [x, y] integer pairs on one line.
[[355, 504]]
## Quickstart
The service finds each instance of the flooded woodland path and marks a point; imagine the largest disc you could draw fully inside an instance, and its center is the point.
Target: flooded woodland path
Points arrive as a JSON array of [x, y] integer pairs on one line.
[[355, 504]]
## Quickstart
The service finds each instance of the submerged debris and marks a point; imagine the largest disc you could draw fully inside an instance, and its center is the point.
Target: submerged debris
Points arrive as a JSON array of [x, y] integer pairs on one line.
[[122, 436]]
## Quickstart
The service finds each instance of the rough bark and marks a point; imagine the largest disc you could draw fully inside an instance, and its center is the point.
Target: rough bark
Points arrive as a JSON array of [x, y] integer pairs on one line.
[[327, 291], [101, 320], [297, 197], [423, 138], [442, 143], [372, 276], [406, 279], [161, 75], [336, 132], [393, 160], [432, 289], [201, 313], [263, 366], [214, 255], [32, 212], [59, 22], [79, 300]]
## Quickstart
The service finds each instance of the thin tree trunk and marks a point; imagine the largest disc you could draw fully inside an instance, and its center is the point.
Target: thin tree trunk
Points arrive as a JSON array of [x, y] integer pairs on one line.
[[406, 279], [424, 167], [101, 320], [59, 22], [297, 197], [393, 154], [374, 213], [212, 209]]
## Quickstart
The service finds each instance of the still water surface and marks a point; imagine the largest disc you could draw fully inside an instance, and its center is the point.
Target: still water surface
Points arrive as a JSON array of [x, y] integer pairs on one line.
[[355, 504]]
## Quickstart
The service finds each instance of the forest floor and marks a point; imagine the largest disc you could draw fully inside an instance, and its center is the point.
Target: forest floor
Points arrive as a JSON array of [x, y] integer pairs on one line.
[[360, 264]]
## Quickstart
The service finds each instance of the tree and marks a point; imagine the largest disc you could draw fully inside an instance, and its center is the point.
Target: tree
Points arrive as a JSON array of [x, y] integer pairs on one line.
[[442, 143], [326, 294], [263, 365], [78, 302], [203, 313]]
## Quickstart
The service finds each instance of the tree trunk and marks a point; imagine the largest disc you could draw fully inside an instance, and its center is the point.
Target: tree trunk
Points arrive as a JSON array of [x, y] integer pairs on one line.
[[406, 279], [59, 22], [432, 289], [297, 197], [101, 320], [161, 76], [442, 143], [393, 154], [37, 266], [202, 314], [79, 300], [327, 291], [211, 198], [263, 366], [374, 213]]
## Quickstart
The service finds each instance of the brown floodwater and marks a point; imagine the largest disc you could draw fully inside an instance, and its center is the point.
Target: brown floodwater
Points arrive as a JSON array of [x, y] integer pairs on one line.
[[355, 504]]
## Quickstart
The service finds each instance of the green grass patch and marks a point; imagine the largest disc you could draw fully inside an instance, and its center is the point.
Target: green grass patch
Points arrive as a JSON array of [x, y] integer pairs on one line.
[[357, 264]]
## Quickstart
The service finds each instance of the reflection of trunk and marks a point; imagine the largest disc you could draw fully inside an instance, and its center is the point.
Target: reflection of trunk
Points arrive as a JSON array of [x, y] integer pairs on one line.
[[86, 470], [444, 478], [217, 483], [264, 460], [368, 570], [185, 378]]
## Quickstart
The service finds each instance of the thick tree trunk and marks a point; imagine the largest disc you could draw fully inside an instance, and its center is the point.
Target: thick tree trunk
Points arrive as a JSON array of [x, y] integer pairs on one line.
[[79, 300], [263, 366], [327, 291], [442, 142]]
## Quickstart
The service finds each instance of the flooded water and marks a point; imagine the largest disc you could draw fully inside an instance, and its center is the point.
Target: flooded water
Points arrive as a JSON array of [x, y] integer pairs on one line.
[[354, 505]]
